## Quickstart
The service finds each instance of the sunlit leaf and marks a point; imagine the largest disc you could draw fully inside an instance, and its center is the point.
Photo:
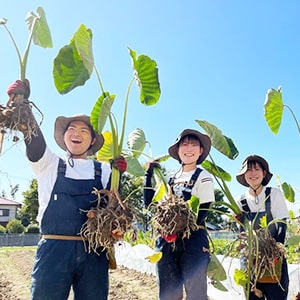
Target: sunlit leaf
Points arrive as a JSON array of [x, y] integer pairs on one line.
[[146, 75], [159, 193], [273, 109], [240, 277], [215, 269], [74, 63], [101, 111], [41, 35], [136, 142], [263, 222], [219, 141], [288, 191], [216, 170], [83, 43], [106, 153], [155, 257], [162, 158]]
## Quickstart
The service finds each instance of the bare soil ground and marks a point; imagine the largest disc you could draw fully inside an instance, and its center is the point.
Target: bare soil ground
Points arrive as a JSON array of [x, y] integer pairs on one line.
[[16, 265]]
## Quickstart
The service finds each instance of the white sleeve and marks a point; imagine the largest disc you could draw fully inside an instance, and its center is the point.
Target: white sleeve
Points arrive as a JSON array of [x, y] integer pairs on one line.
[[279, 208], [45, 170]]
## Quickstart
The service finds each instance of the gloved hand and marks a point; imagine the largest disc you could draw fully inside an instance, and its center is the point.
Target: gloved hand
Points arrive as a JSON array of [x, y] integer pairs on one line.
[[169, 238], [240, 217], [150, 166], [19, 87], [119, 163]]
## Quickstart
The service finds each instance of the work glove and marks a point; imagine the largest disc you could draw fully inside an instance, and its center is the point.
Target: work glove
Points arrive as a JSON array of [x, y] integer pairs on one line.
[[119, 163], [169, 238], [19, 87]]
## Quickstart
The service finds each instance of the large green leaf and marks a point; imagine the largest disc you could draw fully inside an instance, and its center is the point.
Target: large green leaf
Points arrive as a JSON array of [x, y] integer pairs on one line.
[[216, 170], [41, 35], [215, 269], [219, 141], [219, 286], [74, 63], [106, 151], [273, 109], [288, 192], [136, 142], [146, 74], [159, 192], [101, 111], [134, 167]]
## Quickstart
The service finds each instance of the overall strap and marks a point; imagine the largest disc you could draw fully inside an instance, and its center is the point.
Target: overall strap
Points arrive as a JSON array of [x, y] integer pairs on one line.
[[268, 205], [195, 177], [187, 191], [61, 169], [98, 169], [244, 203]]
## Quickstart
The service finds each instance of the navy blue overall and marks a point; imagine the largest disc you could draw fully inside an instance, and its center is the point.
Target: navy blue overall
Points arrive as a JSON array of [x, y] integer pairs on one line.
[[62, 264], [272, 291], [184, 263]]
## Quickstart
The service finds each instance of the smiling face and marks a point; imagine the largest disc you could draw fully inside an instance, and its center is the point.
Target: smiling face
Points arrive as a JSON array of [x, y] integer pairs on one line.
[[254, 174], [189, 150], [78, 139]]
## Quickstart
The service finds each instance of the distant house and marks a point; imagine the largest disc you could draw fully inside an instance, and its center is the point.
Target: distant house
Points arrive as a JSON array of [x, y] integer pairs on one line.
[[8, 210]]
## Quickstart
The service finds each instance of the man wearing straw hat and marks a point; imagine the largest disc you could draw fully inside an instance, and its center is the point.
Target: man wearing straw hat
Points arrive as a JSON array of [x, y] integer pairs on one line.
[[65, 188]]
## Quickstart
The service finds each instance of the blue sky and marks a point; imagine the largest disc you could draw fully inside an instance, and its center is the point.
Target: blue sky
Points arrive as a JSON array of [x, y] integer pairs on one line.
[[216, 61]]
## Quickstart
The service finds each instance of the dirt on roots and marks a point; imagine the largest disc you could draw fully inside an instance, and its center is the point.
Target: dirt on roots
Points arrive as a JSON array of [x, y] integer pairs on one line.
[[16, 265]]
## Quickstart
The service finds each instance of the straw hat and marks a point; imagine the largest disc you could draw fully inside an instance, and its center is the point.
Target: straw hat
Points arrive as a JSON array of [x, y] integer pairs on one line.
[[61, 124], [204, 141], [254, 158]]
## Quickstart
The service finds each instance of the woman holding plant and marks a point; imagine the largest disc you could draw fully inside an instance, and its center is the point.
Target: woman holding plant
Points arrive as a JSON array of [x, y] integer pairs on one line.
[[185, 255], [257, 202], [65, 188]]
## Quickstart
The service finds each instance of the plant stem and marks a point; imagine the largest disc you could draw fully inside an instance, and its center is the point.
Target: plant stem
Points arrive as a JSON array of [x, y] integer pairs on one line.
[[124, 117], [294, 117], [25, 57], [99, 79], [225, 190], [16, 47]]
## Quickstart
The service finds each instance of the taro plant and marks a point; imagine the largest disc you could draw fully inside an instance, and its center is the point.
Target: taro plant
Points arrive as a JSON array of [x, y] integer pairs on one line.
[[72, 67], [273, 111], [13, 116]]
